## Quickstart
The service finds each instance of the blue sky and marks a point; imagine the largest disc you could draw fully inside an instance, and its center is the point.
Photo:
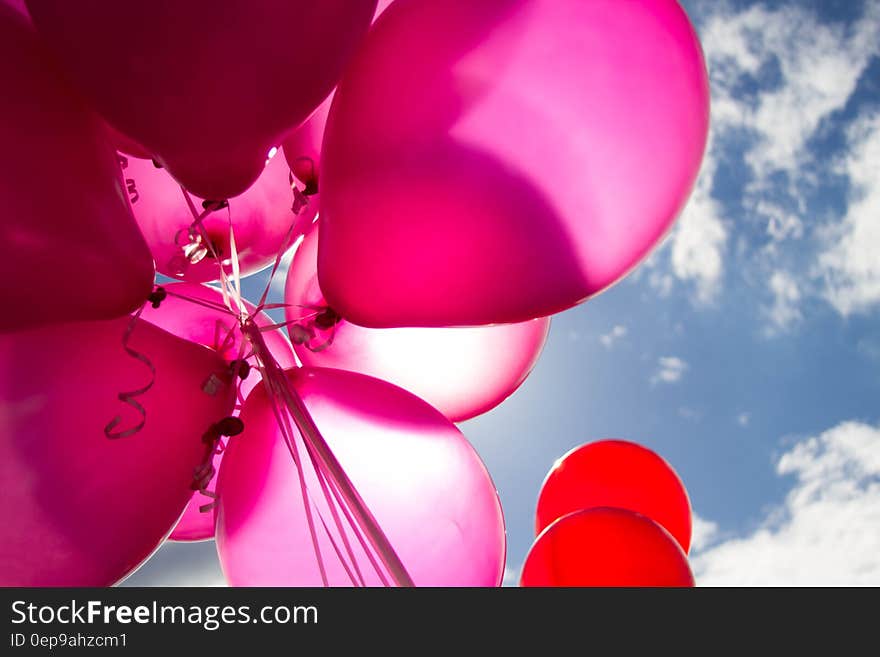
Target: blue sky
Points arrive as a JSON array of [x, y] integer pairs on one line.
[[746, 350]]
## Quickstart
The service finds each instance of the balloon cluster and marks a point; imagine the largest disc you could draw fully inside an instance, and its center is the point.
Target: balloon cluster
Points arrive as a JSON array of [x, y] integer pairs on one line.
[[446, 174], [611, 513]]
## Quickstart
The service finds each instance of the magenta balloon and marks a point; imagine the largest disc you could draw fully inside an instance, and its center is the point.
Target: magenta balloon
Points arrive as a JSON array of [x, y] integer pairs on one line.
[[78, 508], [303, 148], [513, 159], [69, 247], [418, 475], [462, 372], [261, 217], [180, 315], [126, 145], [208, 88]]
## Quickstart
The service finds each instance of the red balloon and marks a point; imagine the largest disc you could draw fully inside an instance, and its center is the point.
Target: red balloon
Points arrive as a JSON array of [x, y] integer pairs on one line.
[[69, 247], [208, 87], [606, 547], [621, 474]]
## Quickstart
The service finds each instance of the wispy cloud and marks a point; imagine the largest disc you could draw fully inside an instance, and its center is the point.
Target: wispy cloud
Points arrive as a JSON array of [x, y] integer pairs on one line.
[[670, 369], [511, 576], [850, 264], [743, 419], [703, 533], [699, 240], [784, 312], [608, 339], [827, 532], [780, 76]]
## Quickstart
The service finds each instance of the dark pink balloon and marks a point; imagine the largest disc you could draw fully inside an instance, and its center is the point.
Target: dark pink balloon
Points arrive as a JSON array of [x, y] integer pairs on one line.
[[208, 87], [496, 161], [418, 475], [462, 372], [303, 147], [69, 247], [182, 315], [79, 508], [261, 217], [126, 145]]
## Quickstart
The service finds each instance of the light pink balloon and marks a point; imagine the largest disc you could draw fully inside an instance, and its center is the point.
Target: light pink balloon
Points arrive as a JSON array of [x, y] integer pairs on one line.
[[209, 88], [302, 149], [79, 508], [511, 160], [181, 315], [261, 217], [418, 475], [69, 247], [462, 372]]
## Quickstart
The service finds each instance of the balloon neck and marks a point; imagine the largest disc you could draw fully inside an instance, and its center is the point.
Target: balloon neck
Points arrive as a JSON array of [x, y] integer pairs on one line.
[[157, 296], [316, 333], [205, 471]]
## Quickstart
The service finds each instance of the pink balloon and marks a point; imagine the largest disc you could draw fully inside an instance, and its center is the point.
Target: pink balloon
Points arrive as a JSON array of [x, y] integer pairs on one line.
[[512, 160], [418, 475], [462, 372], [79, 508], [69, 247], [209, 89], [126, 145], [303, 148], [261, 217], [181, 315]]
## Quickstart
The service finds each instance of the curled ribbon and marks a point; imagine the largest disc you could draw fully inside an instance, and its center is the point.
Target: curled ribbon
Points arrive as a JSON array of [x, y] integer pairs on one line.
[[130, 397]]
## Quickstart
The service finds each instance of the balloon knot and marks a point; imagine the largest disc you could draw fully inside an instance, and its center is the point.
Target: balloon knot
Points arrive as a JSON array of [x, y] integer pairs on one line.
[[213, 206], [241, 366], [229, 426], [327, 319], [157, 296], [156, 164]]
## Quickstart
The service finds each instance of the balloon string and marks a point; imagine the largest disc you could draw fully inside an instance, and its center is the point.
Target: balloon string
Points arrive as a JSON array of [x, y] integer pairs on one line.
[[325, 458], [229, 292], [330, 503], [286, 432], [201, 302], [230, 426], [358, 534], [130, 397], [286, 243], [283, 421], [294, 234]]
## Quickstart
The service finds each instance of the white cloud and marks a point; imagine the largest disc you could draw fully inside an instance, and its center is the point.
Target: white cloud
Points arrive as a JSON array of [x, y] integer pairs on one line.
[[699, 240], [819, 65], [850, 264], [785, 311], [827, 532], [703, 533], [615, 334], [670, 370], [743, 419], [511, 576]]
